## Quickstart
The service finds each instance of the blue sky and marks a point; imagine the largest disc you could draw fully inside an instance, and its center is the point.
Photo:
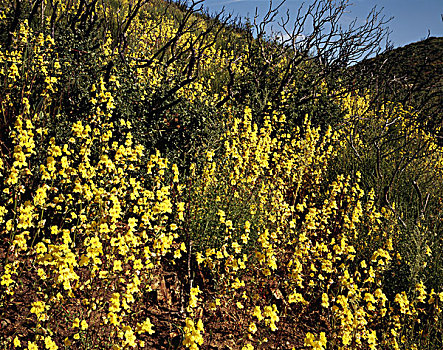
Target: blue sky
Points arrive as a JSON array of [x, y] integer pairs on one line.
[[411, 22]]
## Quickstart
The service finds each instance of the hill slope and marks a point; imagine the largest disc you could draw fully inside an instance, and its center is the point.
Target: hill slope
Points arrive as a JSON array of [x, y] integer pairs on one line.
[[412, 75]]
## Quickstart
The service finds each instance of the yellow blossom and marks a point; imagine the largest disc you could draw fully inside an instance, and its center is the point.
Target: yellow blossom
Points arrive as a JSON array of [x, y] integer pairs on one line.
[[32, 346], [84, 325], [16, 342]]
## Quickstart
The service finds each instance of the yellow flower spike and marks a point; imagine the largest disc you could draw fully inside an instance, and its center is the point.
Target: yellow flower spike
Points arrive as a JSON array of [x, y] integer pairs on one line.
[[372, 340], [16, 342], [257, 313], [32, 346], [193, 335], [200, 325], [39, 308], [325, 300], [129, 336], [145, 327], [199, 258], [50, 344], [83, 325], [315, 343]]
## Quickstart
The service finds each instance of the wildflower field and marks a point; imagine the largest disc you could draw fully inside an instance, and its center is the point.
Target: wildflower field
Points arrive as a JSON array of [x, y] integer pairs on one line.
[[158, 192]]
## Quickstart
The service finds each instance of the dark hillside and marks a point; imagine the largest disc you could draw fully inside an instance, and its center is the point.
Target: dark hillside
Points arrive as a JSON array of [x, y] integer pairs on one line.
[[412, 75]]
